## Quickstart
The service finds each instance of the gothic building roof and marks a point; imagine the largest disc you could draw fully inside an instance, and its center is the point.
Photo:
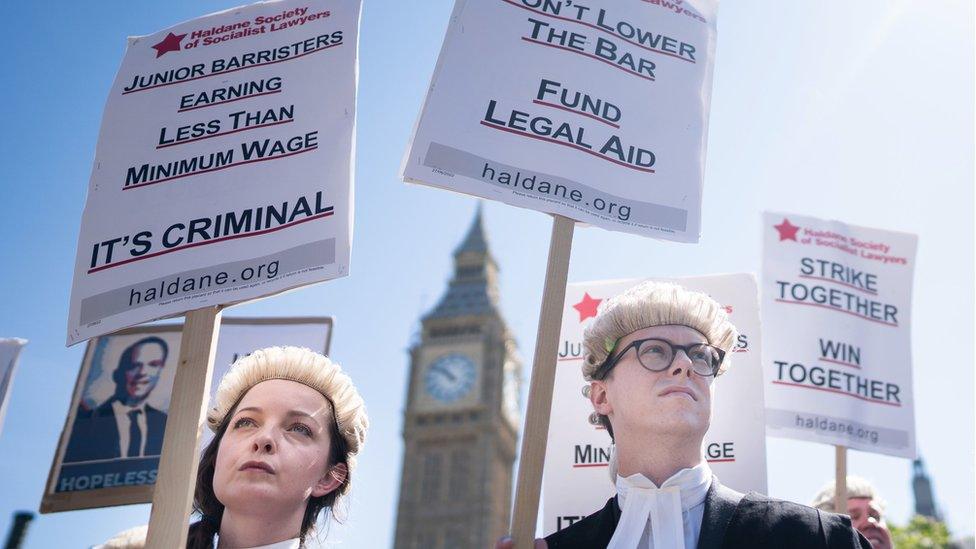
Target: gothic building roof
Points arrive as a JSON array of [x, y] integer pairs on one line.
[[463, 299], [475, 240], [469, 291]]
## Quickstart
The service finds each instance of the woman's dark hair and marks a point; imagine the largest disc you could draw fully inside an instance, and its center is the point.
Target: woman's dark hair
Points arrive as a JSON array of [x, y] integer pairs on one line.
[[211, 511]]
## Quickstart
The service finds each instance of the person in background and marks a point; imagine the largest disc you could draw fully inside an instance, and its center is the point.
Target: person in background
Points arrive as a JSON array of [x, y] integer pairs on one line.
[[865, 508], [652, 357]]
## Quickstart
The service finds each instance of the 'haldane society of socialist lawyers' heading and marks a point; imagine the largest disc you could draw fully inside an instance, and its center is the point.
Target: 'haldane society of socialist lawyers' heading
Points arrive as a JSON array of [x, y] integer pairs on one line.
[[207, 185], [595, 111], [837, 312]]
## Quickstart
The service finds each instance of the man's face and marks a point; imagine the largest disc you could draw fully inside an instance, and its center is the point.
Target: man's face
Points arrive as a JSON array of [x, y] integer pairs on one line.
[[866, 517], [676, 401], [142, 373]]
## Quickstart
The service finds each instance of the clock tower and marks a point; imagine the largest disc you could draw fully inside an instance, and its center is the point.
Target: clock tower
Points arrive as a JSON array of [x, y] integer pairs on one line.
[[462, 418]]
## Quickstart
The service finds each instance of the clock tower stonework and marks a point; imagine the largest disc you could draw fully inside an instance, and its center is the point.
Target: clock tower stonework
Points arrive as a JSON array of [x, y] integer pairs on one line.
[[461, 420]]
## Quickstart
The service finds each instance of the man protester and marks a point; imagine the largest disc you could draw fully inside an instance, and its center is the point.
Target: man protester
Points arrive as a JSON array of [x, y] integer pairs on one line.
[[865, 508], [652, 355], [125, 425]]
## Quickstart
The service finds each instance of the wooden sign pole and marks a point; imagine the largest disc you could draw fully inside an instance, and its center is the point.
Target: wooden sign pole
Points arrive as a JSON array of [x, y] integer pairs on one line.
[[840, 480], [536, 431], [177, 478]]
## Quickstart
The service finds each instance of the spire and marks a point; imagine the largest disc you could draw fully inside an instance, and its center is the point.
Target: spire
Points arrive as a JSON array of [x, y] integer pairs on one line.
[[922, 487], [475, 240], [471, 290]]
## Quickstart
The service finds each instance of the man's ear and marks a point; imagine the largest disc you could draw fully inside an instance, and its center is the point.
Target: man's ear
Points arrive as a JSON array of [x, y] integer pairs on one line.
[[331, 481], [599, 397]]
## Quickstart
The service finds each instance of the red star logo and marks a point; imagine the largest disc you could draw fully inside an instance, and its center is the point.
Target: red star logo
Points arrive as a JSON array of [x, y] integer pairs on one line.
[[786, 230], [170, 43], [587, 307]]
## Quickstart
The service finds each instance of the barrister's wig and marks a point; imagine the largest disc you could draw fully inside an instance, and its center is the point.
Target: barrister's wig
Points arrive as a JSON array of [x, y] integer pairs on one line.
[[133, 538], [857, 487], [302, 366], [655, 304]]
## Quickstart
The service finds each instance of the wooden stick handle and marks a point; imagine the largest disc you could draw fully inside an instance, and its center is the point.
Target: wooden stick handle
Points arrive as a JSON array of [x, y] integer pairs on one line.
[[840, 480], [177, 478], [536, 431]]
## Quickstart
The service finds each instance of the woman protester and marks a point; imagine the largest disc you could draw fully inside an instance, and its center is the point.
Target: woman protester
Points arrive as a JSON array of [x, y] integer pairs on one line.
[[288, 425]]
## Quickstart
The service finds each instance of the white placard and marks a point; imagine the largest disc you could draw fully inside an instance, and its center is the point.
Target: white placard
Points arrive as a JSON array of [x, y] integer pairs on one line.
[[837, 311], [597, 111], [576, 482], [223, 170], [9, 351], [92, 466]]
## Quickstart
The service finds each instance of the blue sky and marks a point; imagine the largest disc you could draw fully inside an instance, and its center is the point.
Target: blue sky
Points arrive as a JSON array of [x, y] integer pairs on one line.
[[857, 111]]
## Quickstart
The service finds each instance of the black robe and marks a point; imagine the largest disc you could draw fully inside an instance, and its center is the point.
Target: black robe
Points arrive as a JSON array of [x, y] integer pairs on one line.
[[730, 521]]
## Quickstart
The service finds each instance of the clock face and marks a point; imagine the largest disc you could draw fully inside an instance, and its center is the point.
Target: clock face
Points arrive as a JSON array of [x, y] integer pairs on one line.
[[450, 377]]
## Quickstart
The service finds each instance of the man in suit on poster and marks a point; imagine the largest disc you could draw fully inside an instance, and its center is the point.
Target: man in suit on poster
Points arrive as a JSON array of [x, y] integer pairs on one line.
[[652, 356], [125, 425]]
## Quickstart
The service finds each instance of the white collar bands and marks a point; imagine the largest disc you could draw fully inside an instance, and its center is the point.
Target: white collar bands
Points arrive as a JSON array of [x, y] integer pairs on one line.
[[643, 504], [293, 543]]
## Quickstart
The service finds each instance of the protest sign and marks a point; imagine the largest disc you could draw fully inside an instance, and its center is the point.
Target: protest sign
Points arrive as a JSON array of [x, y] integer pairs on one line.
[[223, 168], [104, 458], [596, 112], [576, 481], [9, 351], [223, 173], [837, 341]]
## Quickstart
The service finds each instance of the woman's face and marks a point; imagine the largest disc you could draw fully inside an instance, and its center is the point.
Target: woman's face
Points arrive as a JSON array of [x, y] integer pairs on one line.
[[275, 452]]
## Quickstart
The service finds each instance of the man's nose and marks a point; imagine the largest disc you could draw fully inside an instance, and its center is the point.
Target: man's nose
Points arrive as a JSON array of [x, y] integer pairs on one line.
[[681, 364]]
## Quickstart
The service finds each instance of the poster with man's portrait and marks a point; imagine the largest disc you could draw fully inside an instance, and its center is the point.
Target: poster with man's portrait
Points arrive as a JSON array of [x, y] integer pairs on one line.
[[113, 436]]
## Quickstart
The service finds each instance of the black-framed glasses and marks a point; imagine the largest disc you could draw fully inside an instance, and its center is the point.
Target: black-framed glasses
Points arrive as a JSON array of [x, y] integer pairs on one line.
[[657, 355]]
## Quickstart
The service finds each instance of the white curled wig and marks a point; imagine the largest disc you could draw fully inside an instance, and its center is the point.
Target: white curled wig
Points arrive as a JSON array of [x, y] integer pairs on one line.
[[133, 538], [302, 366], [857, 487], [655, 304]]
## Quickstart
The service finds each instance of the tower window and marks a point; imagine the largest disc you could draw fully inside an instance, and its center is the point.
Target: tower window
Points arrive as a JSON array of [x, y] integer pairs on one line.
[[470, 271], [431, 484], [424, 540], [454, 537], [460, 470], [454, 331]]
